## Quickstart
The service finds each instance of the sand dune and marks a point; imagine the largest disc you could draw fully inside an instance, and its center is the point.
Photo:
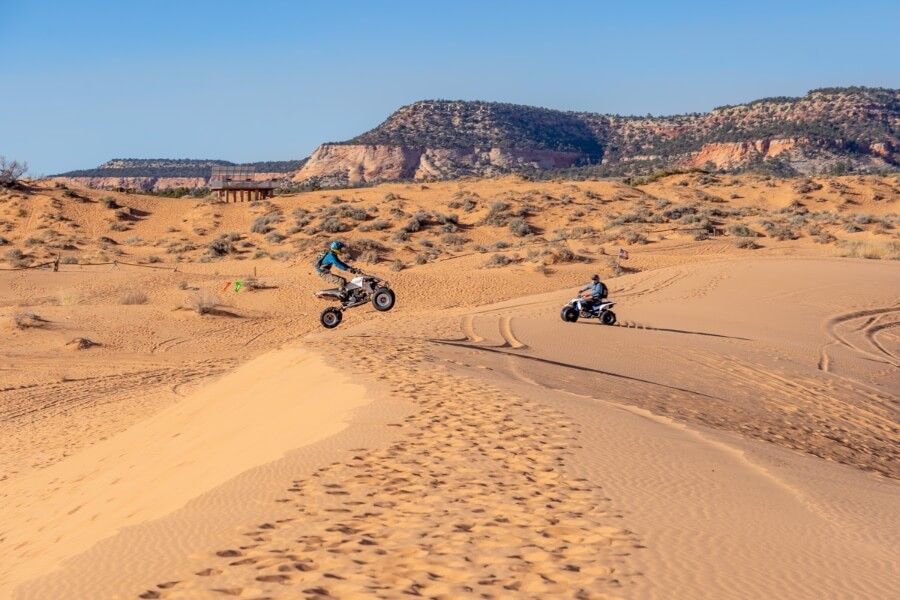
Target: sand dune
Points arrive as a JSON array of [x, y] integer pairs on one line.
[[734, 436]]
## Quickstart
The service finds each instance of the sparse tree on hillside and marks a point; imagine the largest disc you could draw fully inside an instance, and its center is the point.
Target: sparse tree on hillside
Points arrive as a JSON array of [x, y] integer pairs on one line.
[[11, 171]]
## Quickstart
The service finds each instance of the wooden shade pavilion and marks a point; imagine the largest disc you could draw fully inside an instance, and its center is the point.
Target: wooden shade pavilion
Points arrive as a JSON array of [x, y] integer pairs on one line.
[[237, 184]]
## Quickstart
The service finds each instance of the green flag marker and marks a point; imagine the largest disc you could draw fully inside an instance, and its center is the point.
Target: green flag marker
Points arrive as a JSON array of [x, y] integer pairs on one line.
[[237, 285]]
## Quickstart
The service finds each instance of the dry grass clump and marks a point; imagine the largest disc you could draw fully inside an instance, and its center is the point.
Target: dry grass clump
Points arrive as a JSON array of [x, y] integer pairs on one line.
[[28, 320], [497, 260], [333, 225], [632, 237], [376, 225], [741, 230], [265, 223], [871, 250], [220, 246], [746, 244], [520, 227], [203, 302], [133, 297]]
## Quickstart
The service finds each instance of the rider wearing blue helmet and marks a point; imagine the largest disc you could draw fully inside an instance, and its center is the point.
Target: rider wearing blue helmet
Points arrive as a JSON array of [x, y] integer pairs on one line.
[[331, 258]]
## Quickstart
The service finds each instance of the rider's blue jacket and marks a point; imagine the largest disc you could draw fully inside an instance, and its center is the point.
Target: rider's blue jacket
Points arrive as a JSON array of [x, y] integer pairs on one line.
[[331, 259], [596, 289]]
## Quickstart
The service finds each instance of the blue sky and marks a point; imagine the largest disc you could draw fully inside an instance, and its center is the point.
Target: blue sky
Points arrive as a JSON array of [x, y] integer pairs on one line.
[[82, 82]]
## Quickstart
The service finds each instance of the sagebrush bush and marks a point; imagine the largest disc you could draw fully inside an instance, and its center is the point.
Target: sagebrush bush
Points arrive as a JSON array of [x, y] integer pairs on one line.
[[133, 297], [333, 225], [202, 302], [746, 243], [497, 260], [220, 246], [274, 237], [741, 230], [520, 227], [376, 225], [265, 223]]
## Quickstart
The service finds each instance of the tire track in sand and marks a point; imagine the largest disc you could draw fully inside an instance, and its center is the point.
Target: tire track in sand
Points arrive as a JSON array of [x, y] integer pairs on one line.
[[508, 335]]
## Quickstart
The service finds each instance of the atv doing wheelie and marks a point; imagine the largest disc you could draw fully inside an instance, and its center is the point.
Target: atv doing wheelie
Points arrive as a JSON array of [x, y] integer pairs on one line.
[[586, 308], [359, 290]]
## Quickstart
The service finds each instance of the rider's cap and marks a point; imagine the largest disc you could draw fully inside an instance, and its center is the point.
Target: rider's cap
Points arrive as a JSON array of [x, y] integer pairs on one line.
[[336, 245]]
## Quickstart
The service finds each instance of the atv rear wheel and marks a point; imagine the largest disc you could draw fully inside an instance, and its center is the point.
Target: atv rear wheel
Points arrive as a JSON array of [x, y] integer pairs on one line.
[[569, 314], [608, 318], [383, 299], [331, 317]]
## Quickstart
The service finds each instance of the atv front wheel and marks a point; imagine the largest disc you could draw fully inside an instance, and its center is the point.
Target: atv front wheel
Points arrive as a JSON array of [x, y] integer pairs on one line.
[[383, 299], [608, 318], [569, 314], [331, 317]]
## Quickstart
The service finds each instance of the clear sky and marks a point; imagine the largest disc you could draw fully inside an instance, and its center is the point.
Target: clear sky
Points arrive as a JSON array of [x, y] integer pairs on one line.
[[84, 81]]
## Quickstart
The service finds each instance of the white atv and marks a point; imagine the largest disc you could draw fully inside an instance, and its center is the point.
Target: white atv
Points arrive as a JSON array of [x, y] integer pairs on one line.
[[359, 290], [588, 309]]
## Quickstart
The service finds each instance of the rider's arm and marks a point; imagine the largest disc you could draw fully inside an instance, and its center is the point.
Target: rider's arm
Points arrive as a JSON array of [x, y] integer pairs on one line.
[[586, 288], [331, 259]]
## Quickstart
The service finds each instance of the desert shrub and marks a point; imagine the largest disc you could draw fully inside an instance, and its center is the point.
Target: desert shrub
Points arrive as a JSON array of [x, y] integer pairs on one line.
[[134, 240], [413, 225], [32, 241], [520, 227], [123, 213], [400, 236], [357, 214], [133, 297], [273, 237], [783, 232], [807, 186], [202, 302], [109, 202], [871, 250], [377, 225], [397, 265], [265, 223], [741, 230], [852, 228], [391, 196], [469, 205], [453, 239], [501, 245], [117, 226], [634, 237], [701, 235], [498, 215], [497, 260], [28, 320], [14, 255], [69, 260], [153, 259], [11, 171], [678, 212], [746, 244], [370, 257], [3, 241], [180, 247], [220, 246], [183, 285], [824, 238], [333, 225]]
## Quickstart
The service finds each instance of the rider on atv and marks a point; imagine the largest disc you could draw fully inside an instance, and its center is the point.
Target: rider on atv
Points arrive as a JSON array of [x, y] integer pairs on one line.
[[597, 288], [331, 258]]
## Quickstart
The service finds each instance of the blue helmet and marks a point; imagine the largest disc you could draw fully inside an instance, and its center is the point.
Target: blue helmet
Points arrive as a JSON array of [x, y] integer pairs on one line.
[[336, 246]]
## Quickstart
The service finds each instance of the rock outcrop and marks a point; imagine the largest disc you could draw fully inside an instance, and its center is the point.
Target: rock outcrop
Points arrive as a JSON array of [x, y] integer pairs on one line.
[[835, 128], [336, 164]]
